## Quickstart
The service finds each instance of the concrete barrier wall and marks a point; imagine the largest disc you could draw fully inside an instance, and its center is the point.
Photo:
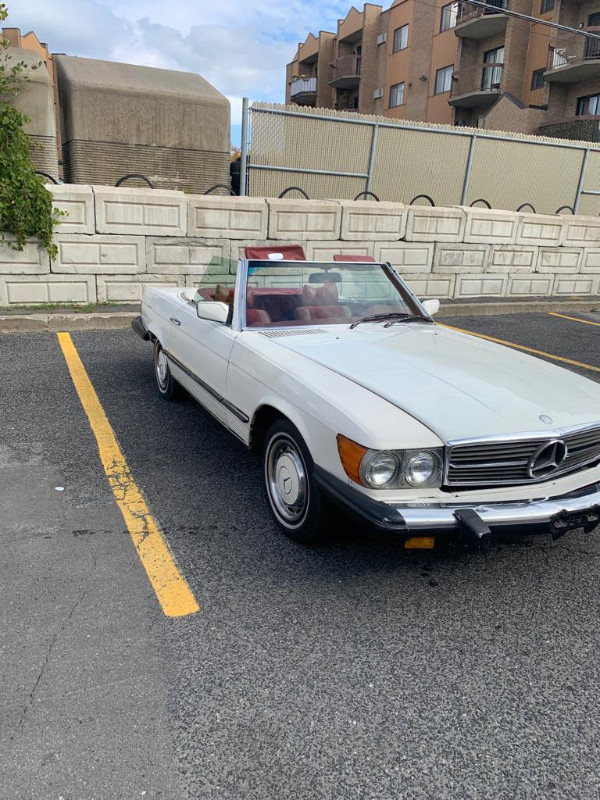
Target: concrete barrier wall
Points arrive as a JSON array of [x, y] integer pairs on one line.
[[115, 241]]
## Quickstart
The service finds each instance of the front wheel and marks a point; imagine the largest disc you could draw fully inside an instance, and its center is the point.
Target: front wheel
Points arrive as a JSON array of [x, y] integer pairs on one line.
[[165, 382], [292, 493]]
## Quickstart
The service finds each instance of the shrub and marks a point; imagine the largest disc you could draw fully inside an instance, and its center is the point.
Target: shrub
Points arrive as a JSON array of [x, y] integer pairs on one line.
[[25, 204]]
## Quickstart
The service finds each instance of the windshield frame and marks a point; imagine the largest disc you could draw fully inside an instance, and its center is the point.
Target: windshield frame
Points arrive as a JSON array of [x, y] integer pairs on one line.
[[239, 316]]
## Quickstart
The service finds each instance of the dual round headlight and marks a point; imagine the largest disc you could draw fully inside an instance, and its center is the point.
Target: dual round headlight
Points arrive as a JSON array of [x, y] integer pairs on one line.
[[380, 469], [384, 468], [420, 468], [390, 469]]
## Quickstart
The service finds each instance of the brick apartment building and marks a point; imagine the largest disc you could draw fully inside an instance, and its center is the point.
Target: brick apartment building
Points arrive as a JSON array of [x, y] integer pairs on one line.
[[454, 63]]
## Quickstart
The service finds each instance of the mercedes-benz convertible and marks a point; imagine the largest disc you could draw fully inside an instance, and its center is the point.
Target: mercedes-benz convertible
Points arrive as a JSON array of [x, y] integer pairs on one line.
[[339, 375]]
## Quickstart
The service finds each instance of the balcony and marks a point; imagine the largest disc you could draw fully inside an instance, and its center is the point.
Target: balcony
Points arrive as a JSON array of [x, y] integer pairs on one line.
[[480, 23], [346, 72], [304, 91], [476, 86], [573, 58]]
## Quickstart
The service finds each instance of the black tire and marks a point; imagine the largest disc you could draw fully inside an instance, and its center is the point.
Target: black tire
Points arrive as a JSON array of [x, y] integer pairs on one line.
[[285, 452], [167, 386]]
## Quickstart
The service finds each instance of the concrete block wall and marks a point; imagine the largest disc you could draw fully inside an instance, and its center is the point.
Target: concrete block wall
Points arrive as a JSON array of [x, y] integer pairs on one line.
[[115, 241]]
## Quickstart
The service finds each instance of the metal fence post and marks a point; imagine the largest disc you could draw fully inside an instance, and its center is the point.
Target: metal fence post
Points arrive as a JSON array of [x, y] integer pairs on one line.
[[372, 155], [468, 168], [581, 181], [244, 155]]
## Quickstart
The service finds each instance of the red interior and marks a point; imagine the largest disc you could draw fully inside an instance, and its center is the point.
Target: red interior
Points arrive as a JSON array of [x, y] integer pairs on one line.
[[290, 252]]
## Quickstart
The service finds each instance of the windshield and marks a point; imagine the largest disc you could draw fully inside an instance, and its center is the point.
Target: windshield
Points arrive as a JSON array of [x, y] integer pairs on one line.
[[294, 293]]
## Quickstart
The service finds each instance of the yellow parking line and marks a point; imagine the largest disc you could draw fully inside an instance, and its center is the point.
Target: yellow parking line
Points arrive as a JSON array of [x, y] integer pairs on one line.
[[174, 595], [526, 349], [575, 319]]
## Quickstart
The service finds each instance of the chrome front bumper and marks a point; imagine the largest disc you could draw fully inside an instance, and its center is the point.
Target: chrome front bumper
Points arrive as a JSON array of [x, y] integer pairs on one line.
[[549, 513], [577, 509]]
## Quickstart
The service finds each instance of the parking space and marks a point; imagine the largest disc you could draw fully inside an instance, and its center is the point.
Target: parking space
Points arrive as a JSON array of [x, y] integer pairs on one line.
[[354, 670], [571, 340]]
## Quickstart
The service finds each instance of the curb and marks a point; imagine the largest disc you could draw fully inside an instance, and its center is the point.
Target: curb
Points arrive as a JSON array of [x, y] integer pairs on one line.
[[483, 309], [120, 320], [29, 323]]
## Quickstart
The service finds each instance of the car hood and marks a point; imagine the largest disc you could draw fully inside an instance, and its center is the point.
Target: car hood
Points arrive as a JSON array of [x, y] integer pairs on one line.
[[457, 385]]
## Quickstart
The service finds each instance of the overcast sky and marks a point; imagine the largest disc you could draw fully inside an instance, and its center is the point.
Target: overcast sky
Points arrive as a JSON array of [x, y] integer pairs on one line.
[[240, 46]]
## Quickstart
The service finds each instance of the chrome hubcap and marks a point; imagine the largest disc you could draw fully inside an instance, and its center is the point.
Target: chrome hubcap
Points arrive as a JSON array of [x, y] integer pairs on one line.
[[162, 369], [286, 479]]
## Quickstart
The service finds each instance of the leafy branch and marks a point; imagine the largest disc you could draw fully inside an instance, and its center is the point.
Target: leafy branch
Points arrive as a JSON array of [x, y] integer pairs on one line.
[[26, 209]]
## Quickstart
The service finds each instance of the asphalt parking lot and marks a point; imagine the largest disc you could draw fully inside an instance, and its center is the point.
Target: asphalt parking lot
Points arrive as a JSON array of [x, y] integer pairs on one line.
[[354, 670]]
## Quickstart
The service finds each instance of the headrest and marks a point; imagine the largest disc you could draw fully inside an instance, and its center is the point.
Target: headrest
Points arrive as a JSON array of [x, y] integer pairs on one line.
[[319, 295], [223, 294]]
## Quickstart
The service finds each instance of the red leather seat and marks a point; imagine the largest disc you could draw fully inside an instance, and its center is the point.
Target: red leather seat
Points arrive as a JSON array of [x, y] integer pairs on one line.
[[256, 317], [336, 313], [321, 302], [290, 252], [224, 294]]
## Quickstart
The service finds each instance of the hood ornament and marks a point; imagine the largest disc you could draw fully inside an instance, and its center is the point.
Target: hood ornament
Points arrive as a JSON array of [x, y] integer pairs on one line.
[[545, 418]]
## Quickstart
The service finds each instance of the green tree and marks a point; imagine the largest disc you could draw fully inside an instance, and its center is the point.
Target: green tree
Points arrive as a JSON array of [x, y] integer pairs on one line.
[[26, 209]]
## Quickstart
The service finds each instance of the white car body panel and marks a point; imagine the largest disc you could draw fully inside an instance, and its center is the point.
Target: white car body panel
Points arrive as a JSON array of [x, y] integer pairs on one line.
[[455, 384], [411, 386]]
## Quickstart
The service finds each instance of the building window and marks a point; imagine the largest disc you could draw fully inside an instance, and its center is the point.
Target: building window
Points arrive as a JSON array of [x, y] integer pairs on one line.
[[492, 74], [546, 6], [396, 95], [537, 79], [400, 38], [443, 80], [448, 17], [588, 106]]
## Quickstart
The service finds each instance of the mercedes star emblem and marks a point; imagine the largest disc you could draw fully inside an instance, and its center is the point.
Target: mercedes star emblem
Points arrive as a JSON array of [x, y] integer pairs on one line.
[[547, 459]]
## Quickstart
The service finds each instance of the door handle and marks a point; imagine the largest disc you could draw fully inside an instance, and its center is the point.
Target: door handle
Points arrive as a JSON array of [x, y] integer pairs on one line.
[[175, 321]]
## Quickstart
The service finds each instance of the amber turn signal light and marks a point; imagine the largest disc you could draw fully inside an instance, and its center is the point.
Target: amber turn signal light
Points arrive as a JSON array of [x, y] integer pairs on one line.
[[420, 543], [351, 455]]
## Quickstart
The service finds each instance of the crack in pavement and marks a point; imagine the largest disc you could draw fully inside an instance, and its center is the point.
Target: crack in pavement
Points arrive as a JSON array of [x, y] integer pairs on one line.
[[46, 660]]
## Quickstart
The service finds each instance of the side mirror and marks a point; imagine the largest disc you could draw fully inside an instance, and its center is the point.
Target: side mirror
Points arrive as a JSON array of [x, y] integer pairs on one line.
[[213, 310], [431, 306]]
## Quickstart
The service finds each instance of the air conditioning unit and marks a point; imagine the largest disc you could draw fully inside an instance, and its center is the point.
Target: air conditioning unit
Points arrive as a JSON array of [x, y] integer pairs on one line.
[[377, 94], [382, 38]]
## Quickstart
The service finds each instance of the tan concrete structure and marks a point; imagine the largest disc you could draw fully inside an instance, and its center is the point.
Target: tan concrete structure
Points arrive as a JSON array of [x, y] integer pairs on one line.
[[36, 101], [37, 52], [455, 63], [442, 252], [118, 119]]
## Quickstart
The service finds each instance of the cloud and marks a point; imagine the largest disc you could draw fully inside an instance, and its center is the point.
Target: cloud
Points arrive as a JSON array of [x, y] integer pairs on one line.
[[241, 47]]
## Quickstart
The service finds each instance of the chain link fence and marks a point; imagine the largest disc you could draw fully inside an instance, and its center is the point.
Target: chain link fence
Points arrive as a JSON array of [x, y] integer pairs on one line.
[[333, 155]]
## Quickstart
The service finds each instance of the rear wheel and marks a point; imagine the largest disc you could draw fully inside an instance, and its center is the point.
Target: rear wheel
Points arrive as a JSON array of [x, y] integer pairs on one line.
[[167, 386], [292, 493]]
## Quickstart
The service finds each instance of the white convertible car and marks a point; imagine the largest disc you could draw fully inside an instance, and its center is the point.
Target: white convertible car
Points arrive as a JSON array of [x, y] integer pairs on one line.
[[337, 372]]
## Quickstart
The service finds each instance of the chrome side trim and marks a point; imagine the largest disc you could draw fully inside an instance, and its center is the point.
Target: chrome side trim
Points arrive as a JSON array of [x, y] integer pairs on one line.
[[229, 406]]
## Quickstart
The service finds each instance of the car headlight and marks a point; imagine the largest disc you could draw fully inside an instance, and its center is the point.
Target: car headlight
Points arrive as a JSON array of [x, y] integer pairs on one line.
[[390, 469], [379, 469], [419, 468]]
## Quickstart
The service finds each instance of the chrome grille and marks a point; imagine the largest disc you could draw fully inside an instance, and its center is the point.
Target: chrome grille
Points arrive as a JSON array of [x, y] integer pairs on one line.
[[495, 463]]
